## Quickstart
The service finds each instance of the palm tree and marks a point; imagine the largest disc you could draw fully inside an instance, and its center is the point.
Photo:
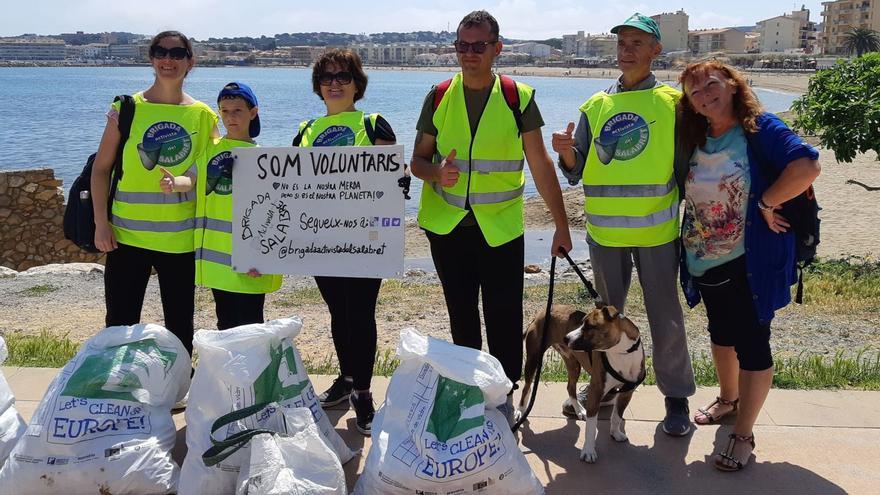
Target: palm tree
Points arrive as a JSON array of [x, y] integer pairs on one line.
[[861, 41]]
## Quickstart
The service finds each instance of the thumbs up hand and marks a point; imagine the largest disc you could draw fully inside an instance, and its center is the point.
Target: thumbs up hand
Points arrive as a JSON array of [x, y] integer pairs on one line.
[[167, 181], [448, 171], [562, 141]]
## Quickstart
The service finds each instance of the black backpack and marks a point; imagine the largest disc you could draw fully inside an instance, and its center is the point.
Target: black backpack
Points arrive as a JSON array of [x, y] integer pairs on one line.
[[802, 212], [79, 214]]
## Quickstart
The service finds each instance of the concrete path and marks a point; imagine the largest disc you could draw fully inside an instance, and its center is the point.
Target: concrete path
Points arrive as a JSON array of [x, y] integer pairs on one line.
[[808, 442]]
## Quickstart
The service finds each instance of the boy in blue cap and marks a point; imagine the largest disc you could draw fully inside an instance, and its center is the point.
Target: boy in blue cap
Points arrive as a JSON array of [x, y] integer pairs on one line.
[[238, 297]]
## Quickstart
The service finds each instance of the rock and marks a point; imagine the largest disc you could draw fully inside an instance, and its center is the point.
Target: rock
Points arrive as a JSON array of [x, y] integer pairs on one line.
[[65, 269], [30, 187], [16, 181], [532, 269], [25, 200], [415, 272], [7, 272], [5, 212], [51, 183], [50, 213], [46, 195]]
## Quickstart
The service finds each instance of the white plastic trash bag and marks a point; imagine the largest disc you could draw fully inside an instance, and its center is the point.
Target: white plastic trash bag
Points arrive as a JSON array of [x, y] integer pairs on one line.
[[241, 372], [439, 430], [11, 423], [104, 425], [298, 461]]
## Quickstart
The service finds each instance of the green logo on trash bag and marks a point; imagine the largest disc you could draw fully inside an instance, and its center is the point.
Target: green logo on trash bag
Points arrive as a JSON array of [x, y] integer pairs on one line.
[[457, 409], [119, 372], [278, 381]]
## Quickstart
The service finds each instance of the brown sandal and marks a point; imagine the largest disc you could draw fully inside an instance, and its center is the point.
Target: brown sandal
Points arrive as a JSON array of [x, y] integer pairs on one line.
[[727, 454], [712, 419]]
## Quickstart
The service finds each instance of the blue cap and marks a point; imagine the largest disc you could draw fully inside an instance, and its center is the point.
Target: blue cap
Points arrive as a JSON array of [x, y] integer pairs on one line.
[[242, 90]]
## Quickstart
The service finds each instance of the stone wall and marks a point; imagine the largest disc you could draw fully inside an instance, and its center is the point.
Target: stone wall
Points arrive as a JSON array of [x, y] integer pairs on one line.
[[31, 215]]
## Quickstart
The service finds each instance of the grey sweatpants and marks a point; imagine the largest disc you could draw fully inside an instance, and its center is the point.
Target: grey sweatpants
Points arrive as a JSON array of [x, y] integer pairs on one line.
[[658, 274]]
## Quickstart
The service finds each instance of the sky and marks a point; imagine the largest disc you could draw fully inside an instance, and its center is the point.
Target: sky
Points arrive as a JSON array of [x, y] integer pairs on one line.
[[519, 19]]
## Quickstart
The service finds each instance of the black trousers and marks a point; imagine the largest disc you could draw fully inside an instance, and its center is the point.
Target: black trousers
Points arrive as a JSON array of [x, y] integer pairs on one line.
[[237, 308], [126, 275], [352, 305], [467, 267]]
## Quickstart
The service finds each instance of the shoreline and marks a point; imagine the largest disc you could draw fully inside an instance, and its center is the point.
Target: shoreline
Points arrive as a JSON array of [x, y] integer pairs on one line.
[[787, 82]]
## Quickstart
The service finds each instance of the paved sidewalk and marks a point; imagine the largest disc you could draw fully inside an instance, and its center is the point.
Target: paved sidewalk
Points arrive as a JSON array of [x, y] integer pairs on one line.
[[808, 442]]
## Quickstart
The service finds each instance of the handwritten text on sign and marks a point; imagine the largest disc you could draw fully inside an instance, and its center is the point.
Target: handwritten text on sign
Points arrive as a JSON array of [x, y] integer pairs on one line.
[[334, 211]]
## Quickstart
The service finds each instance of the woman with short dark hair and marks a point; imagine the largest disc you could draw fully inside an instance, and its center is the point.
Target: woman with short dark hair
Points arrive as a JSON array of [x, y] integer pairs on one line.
[[339, 80], [739, 254], [148, 228]]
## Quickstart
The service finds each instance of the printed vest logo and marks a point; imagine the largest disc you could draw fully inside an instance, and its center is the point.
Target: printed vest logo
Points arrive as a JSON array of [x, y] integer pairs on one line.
[[623, 137], [219, 178], [335, 135], [165, 143]]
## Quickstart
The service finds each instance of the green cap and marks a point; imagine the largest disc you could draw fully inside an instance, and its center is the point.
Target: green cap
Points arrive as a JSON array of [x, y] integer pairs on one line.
[[642, 22]]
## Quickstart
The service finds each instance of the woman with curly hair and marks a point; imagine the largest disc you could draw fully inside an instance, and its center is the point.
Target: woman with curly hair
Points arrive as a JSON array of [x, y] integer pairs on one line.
[[739, 253]]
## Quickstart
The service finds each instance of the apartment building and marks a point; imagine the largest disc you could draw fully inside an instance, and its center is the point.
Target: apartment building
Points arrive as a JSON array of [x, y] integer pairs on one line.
[[585, 45], [393, 53], [792, 32], [727, 40], [673, 30], [841, 17], [32, 49]]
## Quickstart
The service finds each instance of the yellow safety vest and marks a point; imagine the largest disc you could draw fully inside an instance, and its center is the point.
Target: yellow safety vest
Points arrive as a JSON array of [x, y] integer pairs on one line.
[[490, 162], [213, 233], [631, 197], [170, 136], [342, 129]]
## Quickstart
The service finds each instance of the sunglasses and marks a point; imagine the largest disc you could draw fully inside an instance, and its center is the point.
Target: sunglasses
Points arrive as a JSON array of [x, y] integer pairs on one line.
[[176, 53], [327, 78], [476, 46]]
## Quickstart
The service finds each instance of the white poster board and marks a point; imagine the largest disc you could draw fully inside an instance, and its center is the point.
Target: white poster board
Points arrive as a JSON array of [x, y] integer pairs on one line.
[[333, 211]]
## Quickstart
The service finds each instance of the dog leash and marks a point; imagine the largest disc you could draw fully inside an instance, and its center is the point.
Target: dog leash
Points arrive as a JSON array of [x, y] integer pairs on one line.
[[596, 300]]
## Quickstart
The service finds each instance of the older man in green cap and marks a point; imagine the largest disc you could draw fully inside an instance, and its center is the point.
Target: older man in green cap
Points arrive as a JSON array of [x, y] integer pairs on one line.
[[624, 152]]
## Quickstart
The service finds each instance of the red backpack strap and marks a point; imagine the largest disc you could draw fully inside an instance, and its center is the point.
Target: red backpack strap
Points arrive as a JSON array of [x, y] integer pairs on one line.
[[440, 91], [511, 96]]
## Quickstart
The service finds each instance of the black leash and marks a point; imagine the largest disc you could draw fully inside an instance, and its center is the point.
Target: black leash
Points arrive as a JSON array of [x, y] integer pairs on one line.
[[596, 299]]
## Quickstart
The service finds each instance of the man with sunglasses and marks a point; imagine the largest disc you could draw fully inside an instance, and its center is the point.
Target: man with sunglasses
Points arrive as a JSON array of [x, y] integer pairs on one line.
[[469, 150], [624, 151]]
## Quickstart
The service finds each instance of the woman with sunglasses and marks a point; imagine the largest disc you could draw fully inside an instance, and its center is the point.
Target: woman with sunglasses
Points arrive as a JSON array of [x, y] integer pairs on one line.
[[339, 80], [147, 228]]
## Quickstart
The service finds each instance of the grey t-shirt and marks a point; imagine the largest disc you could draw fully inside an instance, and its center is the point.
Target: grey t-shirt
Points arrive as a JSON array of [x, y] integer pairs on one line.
[[475, 101], [583, 137]]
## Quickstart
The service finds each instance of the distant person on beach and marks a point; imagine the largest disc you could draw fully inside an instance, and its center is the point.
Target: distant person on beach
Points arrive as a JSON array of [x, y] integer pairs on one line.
[[623, 149], [739, 253], [339, 80], [469, 151], [150, 229], [238, 297]]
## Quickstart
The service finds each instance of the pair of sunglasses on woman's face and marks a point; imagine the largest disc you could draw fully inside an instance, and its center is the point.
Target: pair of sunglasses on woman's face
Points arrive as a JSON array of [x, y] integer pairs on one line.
[[343, 78], [176, 53]]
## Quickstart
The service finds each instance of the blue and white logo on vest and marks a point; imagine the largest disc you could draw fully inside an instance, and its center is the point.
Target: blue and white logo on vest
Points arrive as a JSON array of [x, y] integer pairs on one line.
[[165, 143], [623, 137], [335, 135], [219, 174]]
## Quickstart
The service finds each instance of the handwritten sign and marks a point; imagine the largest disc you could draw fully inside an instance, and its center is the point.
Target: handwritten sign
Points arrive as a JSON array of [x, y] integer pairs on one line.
[[333, 211]]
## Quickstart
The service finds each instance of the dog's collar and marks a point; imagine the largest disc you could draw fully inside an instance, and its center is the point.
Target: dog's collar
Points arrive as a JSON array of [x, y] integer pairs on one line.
[[635, 346]]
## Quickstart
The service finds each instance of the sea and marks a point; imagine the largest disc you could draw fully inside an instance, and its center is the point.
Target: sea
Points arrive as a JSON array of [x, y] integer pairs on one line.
[[54, 116]]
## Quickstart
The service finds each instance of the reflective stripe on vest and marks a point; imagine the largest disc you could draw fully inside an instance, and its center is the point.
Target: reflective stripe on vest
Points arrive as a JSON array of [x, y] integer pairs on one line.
[[171, 137], [631, 196], [153, 198], [491, 166], [213, 224]]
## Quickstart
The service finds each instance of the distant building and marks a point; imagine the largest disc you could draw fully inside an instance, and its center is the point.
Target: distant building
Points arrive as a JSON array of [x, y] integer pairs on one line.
[[530, 48], [582, 45], [753, 42], [841, 16], [673, 30], [126, 52], [727, 40], [32, 49], [393, 53], [789, 33]]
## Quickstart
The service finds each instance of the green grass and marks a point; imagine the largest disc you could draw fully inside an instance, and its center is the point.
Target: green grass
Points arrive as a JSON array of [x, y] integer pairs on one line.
[[39, 290], [40, 351]]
